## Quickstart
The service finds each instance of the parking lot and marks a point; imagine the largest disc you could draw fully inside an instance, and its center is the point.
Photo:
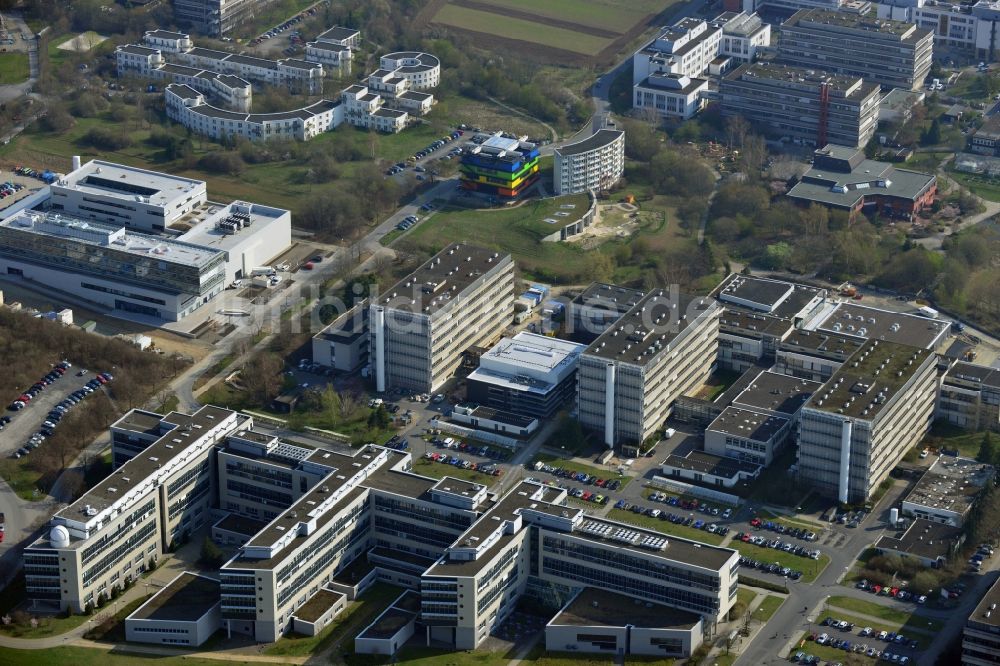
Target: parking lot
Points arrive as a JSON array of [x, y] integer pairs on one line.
[[28, 421]]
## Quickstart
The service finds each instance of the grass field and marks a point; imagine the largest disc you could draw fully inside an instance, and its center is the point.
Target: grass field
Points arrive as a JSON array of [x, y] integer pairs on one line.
[[13, 68], [810, 568], [886, 613], [984, 186], [664, 526], [604, 14], [943, 435], [516, 230], [60, 656], [518, 29], [767, 608]]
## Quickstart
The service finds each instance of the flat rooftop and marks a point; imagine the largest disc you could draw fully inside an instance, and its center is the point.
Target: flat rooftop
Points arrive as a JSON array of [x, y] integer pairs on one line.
[[138, 420], [820, 343], [338, 33], [599, 139], [449, 484], [650, 327], [102, 178], [499, 416], [775, 392], [593, 607], [753, 324], [922, 538], [442, 280], [873, 28], [136, 471], [982, 375], [706, 463], [988, 604], [602, 296], [204, 230], [240, 524], [777, 298], [748, 424], [950, 484], [318, 604], [185, 599], [801, 78], [388, 624], [874, 323], [869, 379]]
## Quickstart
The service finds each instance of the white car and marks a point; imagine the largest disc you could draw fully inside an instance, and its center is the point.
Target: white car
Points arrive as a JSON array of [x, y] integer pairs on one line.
[[924, 453]]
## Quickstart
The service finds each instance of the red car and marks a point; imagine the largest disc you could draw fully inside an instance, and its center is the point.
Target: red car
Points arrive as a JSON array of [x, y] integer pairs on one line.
[[308, 266], [755, 522]]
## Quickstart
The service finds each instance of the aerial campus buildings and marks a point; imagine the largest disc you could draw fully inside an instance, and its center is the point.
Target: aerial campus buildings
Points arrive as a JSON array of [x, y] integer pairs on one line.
[[211, 92], [594, 164], [316, 526], [136, 241]]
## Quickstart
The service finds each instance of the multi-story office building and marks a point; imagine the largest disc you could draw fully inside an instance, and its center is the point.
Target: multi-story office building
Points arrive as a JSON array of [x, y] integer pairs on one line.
[[973, 27], [135, 198], [462, 298], [499, 165], [530, 541], [137, 241], [596, 163], [891, 53], [858, 426], [532, 375], [629, 378], [669, 73], [334, 48], [808, 106], [111, 533], [970, 397], [981, 635], [216, 17], [789, 7]]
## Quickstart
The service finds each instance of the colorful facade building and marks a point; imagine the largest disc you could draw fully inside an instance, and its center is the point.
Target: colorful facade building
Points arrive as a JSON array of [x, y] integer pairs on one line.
[[499, 165]]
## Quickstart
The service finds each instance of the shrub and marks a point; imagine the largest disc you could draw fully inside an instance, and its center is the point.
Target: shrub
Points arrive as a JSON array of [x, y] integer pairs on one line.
[[105, 139]]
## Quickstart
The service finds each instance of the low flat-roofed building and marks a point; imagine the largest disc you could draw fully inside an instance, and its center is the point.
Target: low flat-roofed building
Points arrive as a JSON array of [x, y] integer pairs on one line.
[[981, 635], [841, 178], [597, 308], [929, 542], [341, 36], [709, 469], [529, 374], [947, 490], [488, 419], [609, 623], [776, 394], [747, 435], [321, 609], [815, 355], [852, 319], [970, 397], [392, 628], [343, 344], [897, 105], [185, 612], [235, 530]]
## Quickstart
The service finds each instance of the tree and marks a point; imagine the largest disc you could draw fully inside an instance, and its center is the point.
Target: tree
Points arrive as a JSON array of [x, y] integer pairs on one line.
[[987, 451], [379, 418], [211, 554], [330, 403], [932, 136], [737, 129]]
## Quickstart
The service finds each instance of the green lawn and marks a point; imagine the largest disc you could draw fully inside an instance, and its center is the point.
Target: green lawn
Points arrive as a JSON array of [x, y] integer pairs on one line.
[[664, 526], [744, 595], [913, 631], [572, 465], [810, 568], [439, 470], [604, 14], [946, 436], [886, 613], [113, 628], [61, 656], [47, 626], [519, 29], [13, 68], [351, 621], [984, 186], [768, 607]]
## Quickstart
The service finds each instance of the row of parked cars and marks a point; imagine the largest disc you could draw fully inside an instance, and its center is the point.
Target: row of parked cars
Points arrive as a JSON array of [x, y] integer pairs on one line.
[[278, 29], [886, 591], [484, 467], [687, 521], [434, 145], [22, 400], [690, 505], [407, 222], [9, 188], [581, 477], [475, 449], [796, 532], [397, 443], [778, 544], [770, 567]]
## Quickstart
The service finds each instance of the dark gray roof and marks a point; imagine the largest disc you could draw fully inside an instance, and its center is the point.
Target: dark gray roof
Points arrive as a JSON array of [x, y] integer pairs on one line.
[[977, 374], [339, 33], [748, 424], [184, 599], [706, 463], [775, 392], [600, 139]]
